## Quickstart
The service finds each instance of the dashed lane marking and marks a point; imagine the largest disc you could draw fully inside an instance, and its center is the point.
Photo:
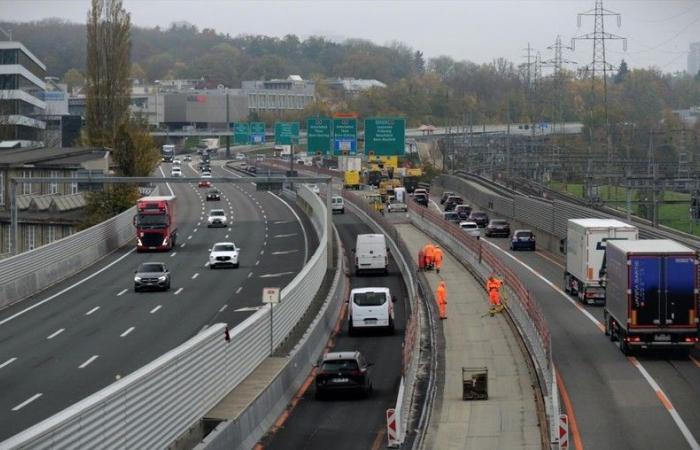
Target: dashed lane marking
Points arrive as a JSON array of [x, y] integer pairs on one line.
[[26, 402], [240, 288], [88, 362], [284, 252], [154, 310], [122, 293], [195, 275], [55, 333], [223, 308], [178, 291], [127, 332], [92, 310], [274, 275]]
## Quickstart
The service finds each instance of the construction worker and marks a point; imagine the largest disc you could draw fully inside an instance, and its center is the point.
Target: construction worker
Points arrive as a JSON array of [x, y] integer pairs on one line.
[[493, 287], [437, 258], [429, 251], [441, 298]]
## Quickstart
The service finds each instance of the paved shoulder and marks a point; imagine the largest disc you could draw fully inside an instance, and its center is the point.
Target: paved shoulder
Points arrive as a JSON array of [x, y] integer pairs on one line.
[[508, 419]]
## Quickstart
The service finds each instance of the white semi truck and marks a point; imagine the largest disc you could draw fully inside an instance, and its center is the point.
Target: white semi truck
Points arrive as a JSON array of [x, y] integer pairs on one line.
[[585, 255]]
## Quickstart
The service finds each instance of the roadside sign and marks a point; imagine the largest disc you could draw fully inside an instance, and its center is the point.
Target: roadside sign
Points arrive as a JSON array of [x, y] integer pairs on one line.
[[286, 133], [385, 136], [563, 432], [344, 136], [391, 429], [318, 133], [271, 295], [241, 133], [257, 132]]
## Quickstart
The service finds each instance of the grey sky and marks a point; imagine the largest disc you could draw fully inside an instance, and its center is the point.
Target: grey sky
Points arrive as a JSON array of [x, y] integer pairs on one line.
[[658, 32]]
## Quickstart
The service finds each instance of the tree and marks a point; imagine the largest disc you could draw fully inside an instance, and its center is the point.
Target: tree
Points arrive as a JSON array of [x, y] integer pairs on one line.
[[73, 78], [108, 66], [622, 72], [137, 72], [135, 153], [418, 62]]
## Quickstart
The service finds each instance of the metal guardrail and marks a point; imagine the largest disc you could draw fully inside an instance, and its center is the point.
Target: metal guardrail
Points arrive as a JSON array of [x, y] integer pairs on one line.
[[519, 304], [154, 405]]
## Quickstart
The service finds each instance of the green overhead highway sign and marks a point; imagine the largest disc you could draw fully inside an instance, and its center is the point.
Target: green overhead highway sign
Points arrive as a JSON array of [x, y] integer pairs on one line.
[[385, 136], [318, 132], [257, 132], [286, 133], [241, 133], [344, 136]]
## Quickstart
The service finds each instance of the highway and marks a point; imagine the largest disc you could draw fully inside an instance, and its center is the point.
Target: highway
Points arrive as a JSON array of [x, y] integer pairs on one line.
[[347, 422], [645, 402], [80, 335]]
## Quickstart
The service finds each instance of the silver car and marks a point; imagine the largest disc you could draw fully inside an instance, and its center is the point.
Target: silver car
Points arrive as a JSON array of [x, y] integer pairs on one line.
[[152, 275]]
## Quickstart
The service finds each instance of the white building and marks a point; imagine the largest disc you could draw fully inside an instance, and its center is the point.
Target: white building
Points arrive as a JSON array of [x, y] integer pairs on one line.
[[294, 93]]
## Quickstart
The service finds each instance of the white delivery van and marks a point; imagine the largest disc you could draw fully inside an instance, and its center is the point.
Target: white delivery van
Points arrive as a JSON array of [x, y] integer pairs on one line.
[[337, 204], [585, 252], [371, 254], [400, 195], [371, 307]]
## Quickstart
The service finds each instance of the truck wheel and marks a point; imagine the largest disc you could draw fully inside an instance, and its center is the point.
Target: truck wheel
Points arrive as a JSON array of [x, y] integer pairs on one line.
[[624, 347]]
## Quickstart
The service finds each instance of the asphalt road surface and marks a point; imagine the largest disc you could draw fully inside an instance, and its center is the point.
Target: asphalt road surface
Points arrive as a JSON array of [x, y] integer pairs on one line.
[[95, 328]]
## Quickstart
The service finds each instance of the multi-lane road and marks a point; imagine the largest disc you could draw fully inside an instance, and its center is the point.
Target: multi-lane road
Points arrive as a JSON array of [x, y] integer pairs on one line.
[[645, 402], [80, 335]]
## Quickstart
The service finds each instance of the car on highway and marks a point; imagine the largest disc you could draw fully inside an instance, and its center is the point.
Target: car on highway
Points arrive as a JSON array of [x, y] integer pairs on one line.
[[371, 254], [217, 218], [451, 216], [241, 157], [204, 183], [314, 188], [343, 372], [523, 240], [337, 204], [151, 276], [188, 158], [452, 201], [206, 173], [176, 171], [371, 308], [421, 199], [420, 191], [471, 228], [445, 196], [259, 157], [498, 227], [396, 205], [213, 195], [252, 169], [480, 217], [223, 254], [463, 211]]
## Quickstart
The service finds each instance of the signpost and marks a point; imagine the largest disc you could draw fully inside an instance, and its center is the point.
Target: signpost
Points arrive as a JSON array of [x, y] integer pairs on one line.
[[241, 133], [344, 136], [563, 432], [286, 133], [271, 296], [385, 136], [318, 133], [257, 132]]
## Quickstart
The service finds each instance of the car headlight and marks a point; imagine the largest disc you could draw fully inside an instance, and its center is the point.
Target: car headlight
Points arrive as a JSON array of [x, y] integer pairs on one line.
[[161, 278], [137, 278]]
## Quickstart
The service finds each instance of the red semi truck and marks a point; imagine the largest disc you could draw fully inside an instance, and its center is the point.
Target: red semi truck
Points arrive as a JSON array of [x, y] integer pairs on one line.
[[156, 227]]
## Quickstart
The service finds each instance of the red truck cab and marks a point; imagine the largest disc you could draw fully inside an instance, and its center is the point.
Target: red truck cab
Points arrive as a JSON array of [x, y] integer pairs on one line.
[[156, 227]]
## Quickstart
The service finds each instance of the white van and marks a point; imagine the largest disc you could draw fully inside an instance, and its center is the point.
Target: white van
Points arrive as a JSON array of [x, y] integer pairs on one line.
[[400, 195], [371, 254], [337, 204], [371, 307]]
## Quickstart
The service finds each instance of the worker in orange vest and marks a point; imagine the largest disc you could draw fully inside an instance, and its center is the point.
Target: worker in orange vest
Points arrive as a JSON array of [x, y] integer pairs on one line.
[[438, 257], [493, 287], [429, 251], [441, 298]]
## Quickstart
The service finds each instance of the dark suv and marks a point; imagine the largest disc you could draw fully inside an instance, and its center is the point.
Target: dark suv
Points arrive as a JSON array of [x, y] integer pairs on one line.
[[343, 372], [463, 211], [214, 194], [453, 201], [445, 196], [152, 275], [497, 227], [421, 199], [480, 217]]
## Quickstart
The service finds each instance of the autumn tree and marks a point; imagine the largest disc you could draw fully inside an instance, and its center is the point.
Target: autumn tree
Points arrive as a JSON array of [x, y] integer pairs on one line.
[[73, 79]]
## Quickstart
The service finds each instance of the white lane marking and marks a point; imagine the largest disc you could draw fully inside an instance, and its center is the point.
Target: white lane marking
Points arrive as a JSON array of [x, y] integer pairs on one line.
[[278, 222], [26, 402], [88, 362], [262, 252], [92, 310], [199, 223], [264, 216], [55, 333], [182, 245], [226, 237], [173, 254], [167, 184], [250, 274], [257, 262], [195, 275], [284, 252], [240, 288], [223, 308], [248, 308], [435, 205], [154, 310], [77, 283], [265, 242], [667, 404], [195, 230], [189, 237], [178, 291], [273, 275], [8, 362], [284, 235], [126, 333], [122, 293], [303, 229], [206, 264]]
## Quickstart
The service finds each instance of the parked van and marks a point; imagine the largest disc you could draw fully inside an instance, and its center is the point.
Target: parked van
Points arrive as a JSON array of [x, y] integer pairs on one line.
[[371, 254], [371, 307]]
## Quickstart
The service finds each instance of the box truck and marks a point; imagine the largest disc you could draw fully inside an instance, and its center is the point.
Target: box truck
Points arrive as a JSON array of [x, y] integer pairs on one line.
[[585, 254], [652, 294]]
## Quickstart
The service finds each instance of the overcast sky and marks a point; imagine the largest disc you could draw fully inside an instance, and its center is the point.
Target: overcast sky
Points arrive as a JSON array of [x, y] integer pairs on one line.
[[658, 31]]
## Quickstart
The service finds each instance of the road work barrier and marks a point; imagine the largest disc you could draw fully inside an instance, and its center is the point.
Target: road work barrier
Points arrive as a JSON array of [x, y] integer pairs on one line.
[[157, 403]]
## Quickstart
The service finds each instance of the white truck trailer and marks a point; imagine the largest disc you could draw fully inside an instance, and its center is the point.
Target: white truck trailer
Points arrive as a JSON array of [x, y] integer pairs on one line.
[[585, 255]]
